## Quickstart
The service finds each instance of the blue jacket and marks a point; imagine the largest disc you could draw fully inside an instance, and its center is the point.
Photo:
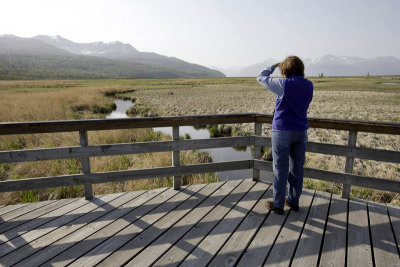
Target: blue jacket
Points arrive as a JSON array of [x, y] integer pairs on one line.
[[294, 96]]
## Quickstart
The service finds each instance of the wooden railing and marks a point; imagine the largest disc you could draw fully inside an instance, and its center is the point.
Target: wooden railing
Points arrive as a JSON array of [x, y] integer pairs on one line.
[[85, 151]]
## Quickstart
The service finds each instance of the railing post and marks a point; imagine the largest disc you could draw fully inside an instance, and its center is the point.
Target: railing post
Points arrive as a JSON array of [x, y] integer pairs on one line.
[[176, 157], [83, 139], [349, 163], [257, 150]]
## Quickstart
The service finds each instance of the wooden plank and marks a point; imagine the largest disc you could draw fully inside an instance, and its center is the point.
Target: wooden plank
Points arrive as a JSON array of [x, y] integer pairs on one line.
[[355, 152], [340, 150], [27, 217], [129, 226], [97, 208], [284, 247], [212, 243], [176, 161], [128, 123], [334, 247], [153, 252], [7, 128], [345, 125], [85, 162], [77, 179], [136, 245], [92, 241], [240, 239], [349, 163], [394, 214], [257, 150], [71, 239], [263, 241], [52, 225], [383, 242], [358, 247], [10, 208], [45, 216], [92, 250], [121, 149], [191, 239], [22, 210], [88, 236], [356, 180], [307, 251]]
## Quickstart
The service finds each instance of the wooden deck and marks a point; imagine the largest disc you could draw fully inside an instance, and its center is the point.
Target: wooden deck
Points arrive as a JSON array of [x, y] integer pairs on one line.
[[218, 224]]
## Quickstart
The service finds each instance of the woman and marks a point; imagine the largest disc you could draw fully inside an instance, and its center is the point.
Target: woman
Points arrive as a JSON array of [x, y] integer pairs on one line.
[[289, 130]]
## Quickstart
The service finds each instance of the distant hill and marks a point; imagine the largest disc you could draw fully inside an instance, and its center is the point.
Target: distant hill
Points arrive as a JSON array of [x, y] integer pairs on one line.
[[330, 65], [54, 57]]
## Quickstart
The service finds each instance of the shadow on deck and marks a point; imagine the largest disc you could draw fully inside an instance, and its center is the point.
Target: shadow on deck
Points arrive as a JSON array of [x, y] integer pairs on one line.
[[218, 224]]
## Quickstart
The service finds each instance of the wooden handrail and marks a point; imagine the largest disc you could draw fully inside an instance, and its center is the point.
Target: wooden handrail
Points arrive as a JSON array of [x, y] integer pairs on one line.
[[85, 151], [8, 128]]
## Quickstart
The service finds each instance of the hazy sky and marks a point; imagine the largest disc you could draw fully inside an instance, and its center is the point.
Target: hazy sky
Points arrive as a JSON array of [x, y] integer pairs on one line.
[[220, 33]]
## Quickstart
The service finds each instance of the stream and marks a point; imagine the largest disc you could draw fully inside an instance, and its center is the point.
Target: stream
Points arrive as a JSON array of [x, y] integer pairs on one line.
[[217, 154]]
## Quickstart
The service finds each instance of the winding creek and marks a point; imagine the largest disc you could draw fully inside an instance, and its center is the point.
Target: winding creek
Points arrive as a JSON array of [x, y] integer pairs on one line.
[[217, 154]]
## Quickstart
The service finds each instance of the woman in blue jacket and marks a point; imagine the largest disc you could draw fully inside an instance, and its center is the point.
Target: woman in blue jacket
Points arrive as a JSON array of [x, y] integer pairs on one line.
[[289, 130]]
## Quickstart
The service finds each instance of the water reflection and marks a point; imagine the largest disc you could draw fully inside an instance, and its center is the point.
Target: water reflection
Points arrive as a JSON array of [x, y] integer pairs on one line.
[[217, 154]]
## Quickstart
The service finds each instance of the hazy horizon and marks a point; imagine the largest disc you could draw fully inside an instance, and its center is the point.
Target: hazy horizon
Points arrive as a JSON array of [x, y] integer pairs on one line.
[[220, 34]]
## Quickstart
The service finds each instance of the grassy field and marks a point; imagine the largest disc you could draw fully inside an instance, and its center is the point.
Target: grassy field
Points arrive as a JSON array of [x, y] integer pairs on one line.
[[366, 98]]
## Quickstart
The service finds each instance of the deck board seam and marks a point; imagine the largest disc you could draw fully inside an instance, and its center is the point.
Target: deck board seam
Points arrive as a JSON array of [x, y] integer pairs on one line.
[[220, 220], [12, 208], [170, 227], [370, 236], [324, 232], [44, 247], [148, 225], [276, 237], [346, 253], [302, 229], [47, 232], [28, 221], [15, 223], [394, 233], [234, 230], [51, 230], [103, 226], [110, 223], [29, 211], [254, 235], [184, 234]]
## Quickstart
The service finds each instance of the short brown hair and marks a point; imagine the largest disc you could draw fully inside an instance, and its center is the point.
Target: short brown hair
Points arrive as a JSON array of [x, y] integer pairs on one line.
[[292, 66]]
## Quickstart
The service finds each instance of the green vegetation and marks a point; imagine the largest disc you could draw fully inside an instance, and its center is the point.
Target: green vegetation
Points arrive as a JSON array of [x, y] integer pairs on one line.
[[34, 67]]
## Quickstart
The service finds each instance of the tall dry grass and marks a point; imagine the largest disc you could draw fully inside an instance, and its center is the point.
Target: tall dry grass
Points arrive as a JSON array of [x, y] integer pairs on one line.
[[57, 100]]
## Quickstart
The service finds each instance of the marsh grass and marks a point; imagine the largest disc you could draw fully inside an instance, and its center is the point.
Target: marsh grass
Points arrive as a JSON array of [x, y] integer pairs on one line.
[[365, 98], [65, 100], [354, 98]]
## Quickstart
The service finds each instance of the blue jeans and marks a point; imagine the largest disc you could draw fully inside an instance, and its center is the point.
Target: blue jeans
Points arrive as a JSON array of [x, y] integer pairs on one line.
[[288, 152]]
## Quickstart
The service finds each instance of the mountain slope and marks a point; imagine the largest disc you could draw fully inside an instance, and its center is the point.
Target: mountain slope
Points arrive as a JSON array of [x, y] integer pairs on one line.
[[34, 58], [120, 51]]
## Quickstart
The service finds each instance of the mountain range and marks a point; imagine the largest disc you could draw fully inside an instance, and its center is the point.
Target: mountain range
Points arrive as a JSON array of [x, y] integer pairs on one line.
[[54, 57], [328, 65]]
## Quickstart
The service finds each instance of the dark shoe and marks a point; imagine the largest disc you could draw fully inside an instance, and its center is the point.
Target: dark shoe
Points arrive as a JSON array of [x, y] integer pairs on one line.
[[271, 207], [293, 207]]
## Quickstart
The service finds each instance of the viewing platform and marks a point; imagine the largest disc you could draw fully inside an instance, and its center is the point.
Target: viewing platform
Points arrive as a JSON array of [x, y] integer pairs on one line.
[[216, 224]]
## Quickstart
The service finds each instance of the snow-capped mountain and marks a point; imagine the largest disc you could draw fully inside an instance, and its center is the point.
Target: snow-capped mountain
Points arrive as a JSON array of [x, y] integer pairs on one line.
[[111, 50], [55, 57], [331, 65]]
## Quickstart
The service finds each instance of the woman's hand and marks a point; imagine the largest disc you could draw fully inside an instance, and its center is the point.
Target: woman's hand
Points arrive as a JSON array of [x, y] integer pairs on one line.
[[276, 65]]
